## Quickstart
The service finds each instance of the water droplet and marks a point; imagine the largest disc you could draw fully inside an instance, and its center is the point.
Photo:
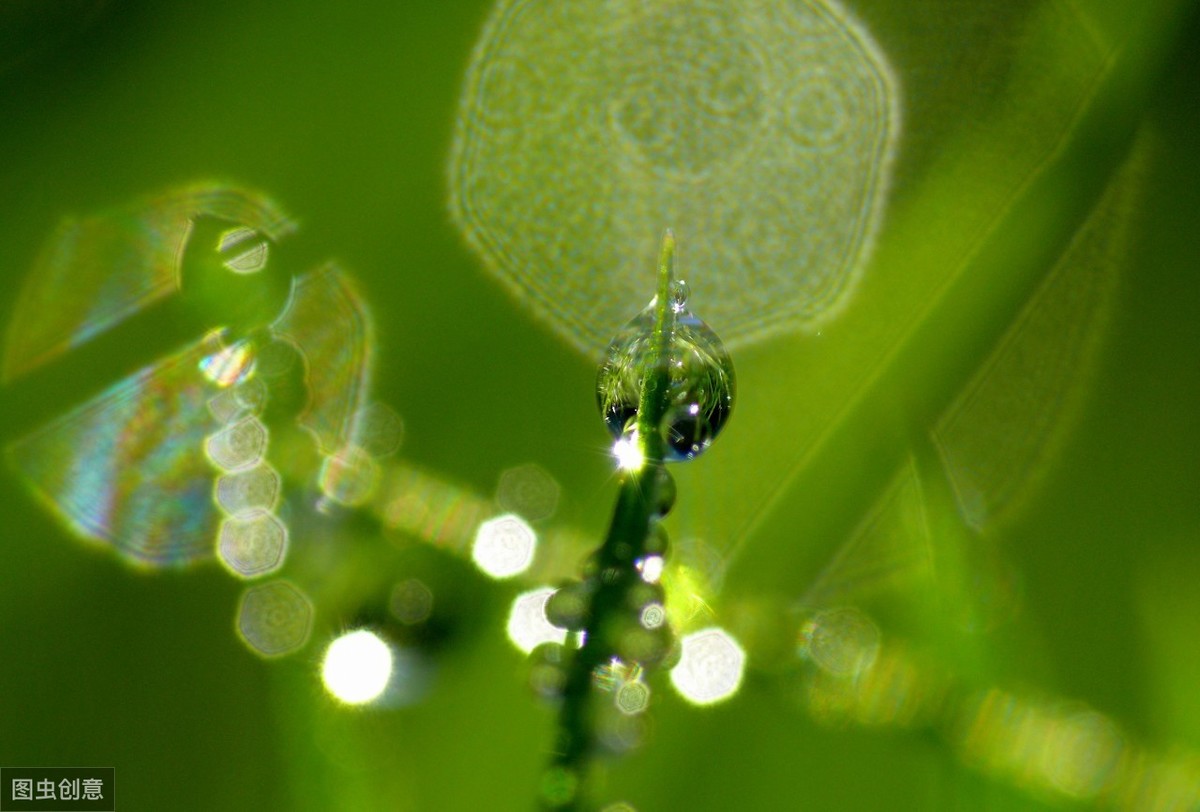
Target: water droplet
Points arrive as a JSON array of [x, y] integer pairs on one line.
[[701, 386], [226, 275], [591, 567], [641, 594], [567, 608], [641, 645], [656, 539], [664, 492], [679, 295]]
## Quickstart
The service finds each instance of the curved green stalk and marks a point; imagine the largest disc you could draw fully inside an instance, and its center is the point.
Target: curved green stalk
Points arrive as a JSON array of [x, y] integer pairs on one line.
[[638, 505]]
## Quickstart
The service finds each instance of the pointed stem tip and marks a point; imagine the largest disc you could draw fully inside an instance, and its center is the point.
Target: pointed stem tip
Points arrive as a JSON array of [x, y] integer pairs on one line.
[[666, 265]]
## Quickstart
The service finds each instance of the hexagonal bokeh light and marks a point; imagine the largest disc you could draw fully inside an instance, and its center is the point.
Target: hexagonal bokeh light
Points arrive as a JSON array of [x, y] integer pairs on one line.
[[252, 545], [504, 546], [710, 667], [274, 618], [528, 490]]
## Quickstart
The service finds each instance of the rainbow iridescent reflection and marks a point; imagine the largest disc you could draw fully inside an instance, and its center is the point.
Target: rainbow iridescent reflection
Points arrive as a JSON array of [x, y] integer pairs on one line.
[[177, 461]]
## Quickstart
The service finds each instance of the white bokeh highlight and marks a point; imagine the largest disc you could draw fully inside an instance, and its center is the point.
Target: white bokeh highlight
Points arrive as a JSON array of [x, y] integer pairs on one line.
[[504, 546], [528, 626], [357, 667], [710, 667]]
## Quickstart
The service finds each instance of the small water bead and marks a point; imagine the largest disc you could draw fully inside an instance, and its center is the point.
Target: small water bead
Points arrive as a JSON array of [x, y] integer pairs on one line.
[[638, 644], [568, 607], [642, 594], [591, 567], [701, 382], [664, 492], [656, 539], [226, 275], [673, 654], [679, 296]]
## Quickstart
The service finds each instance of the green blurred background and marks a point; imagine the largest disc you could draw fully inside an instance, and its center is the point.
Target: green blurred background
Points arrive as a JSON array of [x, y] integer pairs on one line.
[[1020, 122]]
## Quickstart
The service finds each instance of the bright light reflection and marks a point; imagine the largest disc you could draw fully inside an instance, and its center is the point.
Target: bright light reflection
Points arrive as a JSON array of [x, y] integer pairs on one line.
[[628, 452], [229, 365], [251, 256], [357, 667], [504, 546], [710, 667], [528, 627], [651, 568]]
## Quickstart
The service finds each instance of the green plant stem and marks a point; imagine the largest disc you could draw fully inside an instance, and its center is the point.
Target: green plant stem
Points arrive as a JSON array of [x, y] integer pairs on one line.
[[637, 507]]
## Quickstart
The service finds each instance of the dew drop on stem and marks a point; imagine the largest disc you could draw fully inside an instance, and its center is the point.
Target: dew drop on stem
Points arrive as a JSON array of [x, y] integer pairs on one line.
[[701, 384]]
